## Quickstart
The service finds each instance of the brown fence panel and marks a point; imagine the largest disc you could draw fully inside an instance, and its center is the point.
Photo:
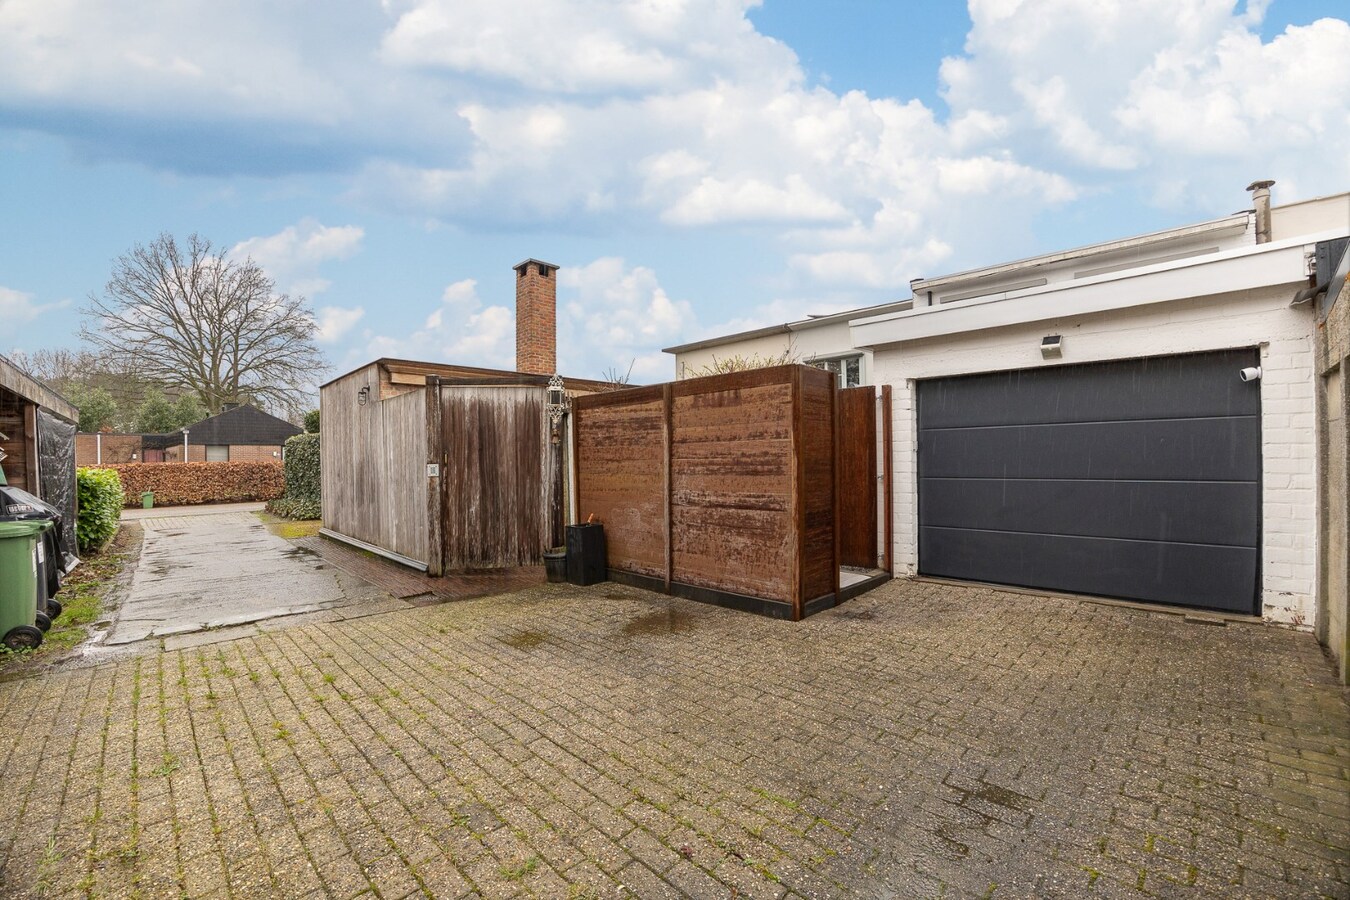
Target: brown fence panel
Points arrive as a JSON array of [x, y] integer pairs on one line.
[[723, 489], [820, 568], [621, 441], [731, 459], [858, 477], [496, 491]]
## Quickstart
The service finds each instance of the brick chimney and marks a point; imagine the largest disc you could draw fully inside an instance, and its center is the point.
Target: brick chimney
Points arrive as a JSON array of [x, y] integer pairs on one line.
[[536, 317]]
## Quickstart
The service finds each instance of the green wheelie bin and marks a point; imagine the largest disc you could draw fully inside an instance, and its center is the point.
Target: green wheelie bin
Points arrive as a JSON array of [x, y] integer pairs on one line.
[[19, 573]]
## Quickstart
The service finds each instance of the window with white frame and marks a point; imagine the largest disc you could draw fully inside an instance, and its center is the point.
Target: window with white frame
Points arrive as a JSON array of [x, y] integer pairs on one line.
[[217, 453], [848, 368]]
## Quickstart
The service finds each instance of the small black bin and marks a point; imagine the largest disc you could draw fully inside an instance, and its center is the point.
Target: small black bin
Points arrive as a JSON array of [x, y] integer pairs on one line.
[[586, 554]]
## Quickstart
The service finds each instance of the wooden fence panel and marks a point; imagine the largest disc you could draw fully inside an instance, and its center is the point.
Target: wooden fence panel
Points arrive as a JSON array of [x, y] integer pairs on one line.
[[622, 481], [820, 568], [858, 477], [731, 486], [374, 487], [724, 489], [495, 441]]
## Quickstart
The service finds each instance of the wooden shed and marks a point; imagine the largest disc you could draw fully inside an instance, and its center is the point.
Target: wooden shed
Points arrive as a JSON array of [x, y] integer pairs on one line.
[[442, 468], [756, 490], [37, 441]]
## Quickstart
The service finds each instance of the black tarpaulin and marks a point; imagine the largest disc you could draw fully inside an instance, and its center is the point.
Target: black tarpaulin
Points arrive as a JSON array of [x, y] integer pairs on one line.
[[56, 465]]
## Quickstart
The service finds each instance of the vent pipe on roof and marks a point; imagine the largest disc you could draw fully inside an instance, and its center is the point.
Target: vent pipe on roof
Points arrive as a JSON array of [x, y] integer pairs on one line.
[[1261, 200]]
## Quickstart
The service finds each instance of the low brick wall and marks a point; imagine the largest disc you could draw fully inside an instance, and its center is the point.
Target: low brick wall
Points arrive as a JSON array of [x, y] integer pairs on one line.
[[179, 484], [115, 450]]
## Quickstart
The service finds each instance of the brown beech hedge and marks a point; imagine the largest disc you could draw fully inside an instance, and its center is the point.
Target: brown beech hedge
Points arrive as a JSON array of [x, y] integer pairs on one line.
[[180, 484]]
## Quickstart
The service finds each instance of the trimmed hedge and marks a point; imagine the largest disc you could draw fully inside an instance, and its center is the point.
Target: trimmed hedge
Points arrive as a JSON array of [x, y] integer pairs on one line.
[[99, 499], [303, 481], [182, 484]]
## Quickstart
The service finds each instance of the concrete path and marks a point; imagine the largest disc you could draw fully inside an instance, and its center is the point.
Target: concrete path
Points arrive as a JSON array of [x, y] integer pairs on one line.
[[136, 513], [201, 570]]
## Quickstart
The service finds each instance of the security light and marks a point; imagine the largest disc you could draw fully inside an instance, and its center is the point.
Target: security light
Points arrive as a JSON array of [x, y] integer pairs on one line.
[[1052, 347]]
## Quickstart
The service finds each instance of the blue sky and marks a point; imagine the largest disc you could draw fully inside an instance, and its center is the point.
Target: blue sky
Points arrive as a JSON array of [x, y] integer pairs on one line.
[[695, 166]]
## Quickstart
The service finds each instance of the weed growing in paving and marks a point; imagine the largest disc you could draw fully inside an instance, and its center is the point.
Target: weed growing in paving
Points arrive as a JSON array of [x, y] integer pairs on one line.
[[517, 872], [46, 870], [170, 765]]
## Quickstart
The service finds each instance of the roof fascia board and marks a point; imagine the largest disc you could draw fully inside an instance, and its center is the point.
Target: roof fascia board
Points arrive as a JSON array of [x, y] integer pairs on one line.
[[768, 331], [1230, 223], [29, 388], [1274, 265], [792, 327]]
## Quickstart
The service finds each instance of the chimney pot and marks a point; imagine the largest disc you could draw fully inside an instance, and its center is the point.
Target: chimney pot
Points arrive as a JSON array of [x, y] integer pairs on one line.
[[536, 317], [1261, 201]]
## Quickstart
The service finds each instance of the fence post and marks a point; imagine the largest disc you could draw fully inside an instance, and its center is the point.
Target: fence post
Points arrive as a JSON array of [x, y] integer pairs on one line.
[[668, 403], [435, 456]]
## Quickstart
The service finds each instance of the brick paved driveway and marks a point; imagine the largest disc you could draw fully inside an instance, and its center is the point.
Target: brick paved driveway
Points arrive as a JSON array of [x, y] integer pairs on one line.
[[922, 740]]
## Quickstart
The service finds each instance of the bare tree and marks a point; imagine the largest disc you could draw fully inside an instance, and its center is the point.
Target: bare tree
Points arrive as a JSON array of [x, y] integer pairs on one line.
[[195, 319], [616, 380]]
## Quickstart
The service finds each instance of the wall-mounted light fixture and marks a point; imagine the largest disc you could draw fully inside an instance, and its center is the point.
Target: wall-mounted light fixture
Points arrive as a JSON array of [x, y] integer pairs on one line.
[[363, 395], [133, 457], [1052, 347], [558, 403]]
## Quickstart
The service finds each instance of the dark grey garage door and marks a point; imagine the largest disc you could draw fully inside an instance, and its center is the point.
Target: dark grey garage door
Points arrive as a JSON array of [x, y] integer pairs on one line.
[[1138, 479]]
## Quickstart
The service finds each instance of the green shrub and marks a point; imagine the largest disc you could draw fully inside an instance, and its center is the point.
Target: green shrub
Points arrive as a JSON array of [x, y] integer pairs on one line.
[[302, 497], [312, 421], [289, 508], [99, 494]]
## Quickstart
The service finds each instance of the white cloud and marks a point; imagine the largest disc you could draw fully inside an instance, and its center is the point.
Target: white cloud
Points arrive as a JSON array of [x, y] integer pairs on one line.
[[164, 54], [584, 45], [713, 200], [612, 316], [292, 256], [679, 114], [1185, 98], [460, 330], [334, 322], [20, 308], [1243, 94]]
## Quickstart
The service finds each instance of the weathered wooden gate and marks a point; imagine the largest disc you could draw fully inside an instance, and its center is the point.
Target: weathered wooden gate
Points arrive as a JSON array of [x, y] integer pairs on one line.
[[495, 483]]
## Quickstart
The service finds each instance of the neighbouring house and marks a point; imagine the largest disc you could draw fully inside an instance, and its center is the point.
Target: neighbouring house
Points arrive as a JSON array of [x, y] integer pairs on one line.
[[37, 442], [1137, 419], [820, 341], [241, 433], [447, 468]]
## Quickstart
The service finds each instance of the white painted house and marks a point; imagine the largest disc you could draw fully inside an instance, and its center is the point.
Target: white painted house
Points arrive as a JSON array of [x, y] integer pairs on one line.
[[822, 341], [1079, 421]]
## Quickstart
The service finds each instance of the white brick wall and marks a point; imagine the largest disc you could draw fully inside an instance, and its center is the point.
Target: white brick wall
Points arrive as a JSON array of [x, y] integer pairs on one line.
[[1251, 318]]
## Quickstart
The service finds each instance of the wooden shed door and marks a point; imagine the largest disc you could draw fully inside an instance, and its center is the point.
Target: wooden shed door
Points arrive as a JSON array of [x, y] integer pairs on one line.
[[858, 477], [496, 449]]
